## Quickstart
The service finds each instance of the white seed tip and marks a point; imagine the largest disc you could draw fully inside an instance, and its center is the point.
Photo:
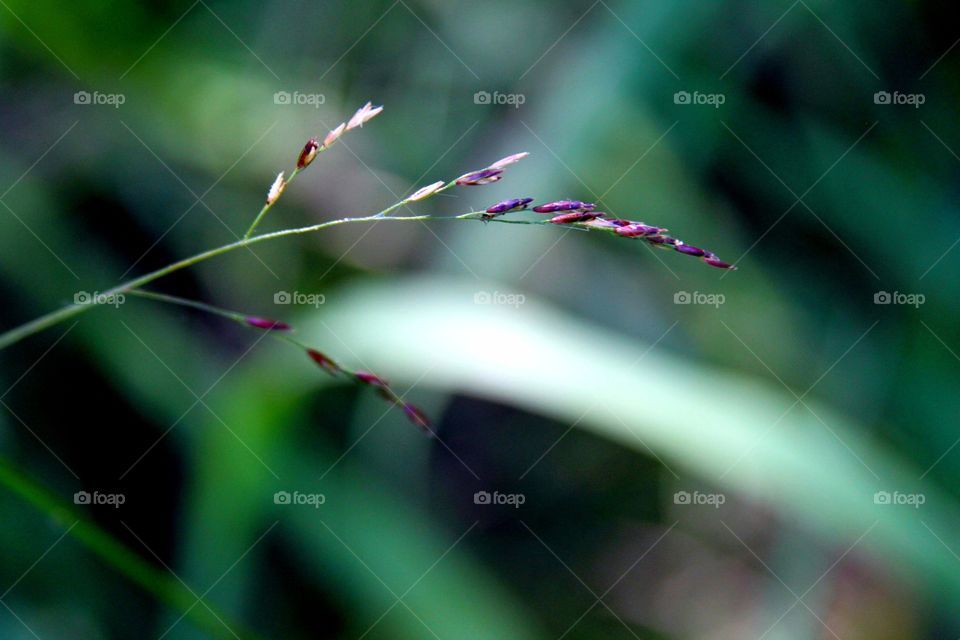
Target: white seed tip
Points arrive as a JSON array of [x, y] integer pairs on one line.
[[276, 189]]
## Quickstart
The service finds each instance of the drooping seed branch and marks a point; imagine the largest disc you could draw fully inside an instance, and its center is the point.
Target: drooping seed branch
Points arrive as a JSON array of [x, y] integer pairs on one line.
[[281, 331]]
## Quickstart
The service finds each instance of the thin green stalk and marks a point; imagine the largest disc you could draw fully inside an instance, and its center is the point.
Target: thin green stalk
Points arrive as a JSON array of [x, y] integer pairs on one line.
[[164, 586], [193, 304], [60, 315], [268, 206]]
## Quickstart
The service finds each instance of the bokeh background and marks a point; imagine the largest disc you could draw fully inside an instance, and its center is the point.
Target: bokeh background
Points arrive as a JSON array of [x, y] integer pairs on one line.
[[775, 458]]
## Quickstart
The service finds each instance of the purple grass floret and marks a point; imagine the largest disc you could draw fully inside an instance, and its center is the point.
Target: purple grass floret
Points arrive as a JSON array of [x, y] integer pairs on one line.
[[576, 216], [564, 205], [484, 176], [635, 229], [714, 261], [512, 204], [661, 240], [689, 250], [267, 324], [581, 213]]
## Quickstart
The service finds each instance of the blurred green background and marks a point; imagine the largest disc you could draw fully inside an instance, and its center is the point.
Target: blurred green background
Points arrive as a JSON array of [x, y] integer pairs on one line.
[[766, 453]]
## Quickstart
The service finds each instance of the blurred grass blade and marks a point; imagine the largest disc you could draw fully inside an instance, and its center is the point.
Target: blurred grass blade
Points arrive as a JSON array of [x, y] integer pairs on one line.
[[159, 583], [722, 426]]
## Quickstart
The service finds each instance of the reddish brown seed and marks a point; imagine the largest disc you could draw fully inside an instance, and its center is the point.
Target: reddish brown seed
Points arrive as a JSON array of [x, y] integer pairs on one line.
[[417, 417], [325, 363], [308, 154], [267, 324], [371, 379]]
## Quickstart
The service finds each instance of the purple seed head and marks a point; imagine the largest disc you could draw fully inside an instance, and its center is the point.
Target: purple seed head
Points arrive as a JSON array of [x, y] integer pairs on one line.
[[636, 229], [689, 250], [563, 205], [267, 324], [576, 216], [509, 205], [661, 240], [484, 176]]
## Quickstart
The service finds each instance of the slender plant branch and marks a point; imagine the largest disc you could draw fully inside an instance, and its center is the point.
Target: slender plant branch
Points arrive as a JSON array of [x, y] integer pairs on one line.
[[53, 318], [280, 331], [573, 214]]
